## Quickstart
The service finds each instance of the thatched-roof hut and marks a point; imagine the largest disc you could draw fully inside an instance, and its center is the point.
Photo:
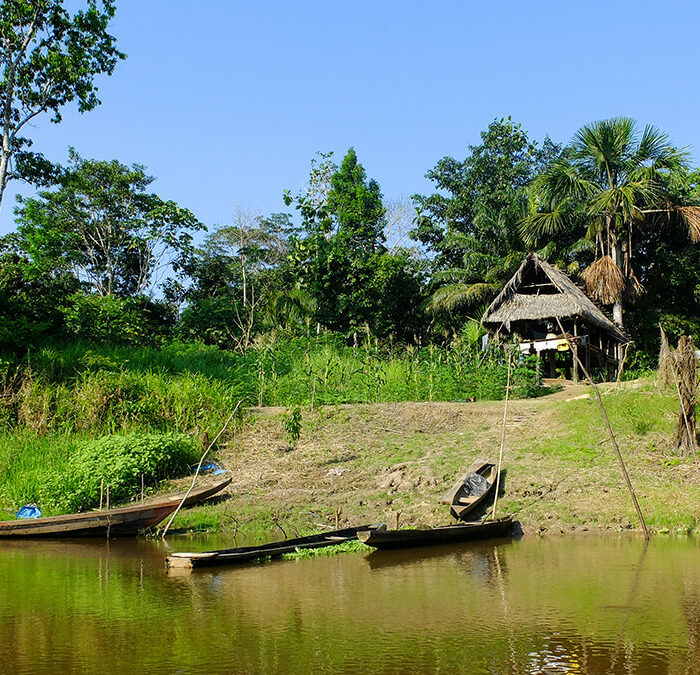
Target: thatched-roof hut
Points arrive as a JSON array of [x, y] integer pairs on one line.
[[532, 304]]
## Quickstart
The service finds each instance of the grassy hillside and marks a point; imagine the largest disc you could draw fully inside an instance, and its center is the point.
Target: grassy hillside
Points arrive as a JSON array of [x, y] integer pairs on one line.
[[58, 399], [370, 461], [388, 432]]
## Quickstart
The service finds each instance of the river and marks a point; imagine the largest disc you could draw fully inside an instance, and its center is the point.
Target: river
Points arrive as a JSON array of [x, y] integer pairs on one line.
[[580, 604]]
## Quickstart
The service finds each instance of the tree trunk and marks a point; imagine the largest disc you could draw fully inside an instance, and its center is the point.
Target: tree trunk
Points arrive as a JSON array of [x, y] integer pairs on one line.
[[3, 173], [686, 440], [618, 260]]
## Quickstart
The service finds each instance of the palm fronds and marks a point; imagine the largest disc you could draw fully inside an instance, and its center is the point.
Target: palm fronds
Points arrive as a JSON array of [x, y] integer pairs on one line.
[[604, 280], [456, 296], [634, 287], [690, 215]]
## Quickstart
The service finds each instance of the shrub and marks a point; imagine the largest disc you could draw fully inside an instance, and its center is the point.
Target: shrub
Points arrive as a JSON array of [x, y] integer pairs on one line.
[[121, 461], [134, 320]]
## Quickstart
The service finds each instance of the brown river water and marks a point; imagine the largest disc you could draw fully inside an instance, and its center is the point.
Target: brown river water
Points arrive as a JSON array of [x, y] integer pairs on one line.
[[580, 604]]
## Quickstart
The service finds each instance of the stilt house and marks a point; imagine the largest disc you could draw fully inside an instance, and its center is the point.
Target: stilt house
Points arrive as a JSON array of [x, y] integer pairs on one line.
[[530, 308]]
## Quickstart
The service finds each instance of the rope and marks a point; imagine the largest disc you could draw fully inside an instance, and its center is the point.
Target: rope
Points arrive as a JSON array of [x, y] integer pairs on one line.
[[503, 441], [199, 466]]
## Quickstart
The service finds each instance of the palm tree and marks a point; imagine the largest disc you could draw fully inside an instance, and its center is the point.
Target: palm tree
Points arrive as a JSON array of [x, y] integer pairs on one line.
[[488, 258], [612, 180]]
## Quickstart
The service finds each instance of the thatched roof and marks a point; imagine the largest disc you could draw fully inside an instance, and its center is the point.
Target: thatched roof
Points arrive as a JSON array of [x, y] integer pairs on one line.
[[570, 301]]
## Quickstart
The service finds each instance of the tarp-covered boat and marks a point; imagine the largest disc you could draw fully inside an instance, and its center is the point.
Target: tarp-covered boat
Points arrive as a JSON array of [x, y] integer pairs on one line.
[[472, 490]]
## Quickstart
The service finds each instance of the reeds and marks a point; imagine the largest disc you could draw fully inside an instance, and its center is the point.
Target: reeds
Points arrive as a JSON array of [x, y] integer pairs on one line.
[[686, 375], [665, 377]]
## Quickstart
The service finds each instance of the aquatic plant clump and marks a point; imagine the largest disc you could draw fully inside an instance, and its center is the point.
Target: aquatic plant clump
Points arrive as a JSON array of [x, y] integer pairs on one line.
[[326, 551]]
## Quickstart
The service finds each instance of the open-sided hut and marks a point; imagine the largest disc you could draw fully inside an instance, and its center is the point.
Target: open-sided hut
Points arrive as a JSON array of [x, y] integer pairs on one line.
[[532, 304]]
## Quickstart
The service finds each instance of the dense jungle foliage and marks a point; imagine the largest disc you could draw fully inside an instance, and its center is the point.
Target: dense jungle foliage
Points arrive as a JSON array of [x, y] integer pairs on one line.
[[98, 259]]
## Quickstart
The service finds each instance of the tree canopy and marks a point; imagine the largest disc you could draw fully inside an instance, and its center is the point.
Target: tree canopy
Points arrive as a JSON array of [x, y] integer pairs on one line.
[[48, 59], [100, 256], [101, 224], [614, 181]]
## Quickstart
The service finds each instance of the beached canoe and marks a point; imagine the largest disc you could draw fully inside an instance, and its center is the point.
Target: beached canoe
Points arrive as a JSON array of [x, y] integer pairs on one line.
[[472, 490], [244, 554], [118, 522], [451, 534]]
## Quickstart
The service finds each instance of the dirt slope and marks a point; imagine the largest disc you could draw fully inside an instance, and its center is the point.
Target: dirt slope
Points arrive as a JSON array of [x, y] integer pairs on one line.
[[365, 463]]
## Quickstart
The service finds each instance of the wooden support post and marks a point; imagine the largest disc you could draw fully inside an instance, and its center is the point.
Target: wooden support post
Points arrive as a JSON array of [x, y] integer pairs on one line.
[[574, 355]]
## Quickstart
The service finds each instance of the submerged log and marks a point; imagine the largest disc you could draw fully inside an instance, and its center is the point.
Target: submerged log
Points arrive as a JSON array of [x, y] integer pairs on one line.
[[686, 372]]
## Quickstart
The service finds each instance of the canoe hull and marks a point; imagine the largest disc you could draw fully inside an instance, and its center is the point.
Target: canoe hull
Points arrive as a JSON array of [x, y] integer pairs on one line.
[[395, 539], [462, 505], [244, 554], [119, 522]]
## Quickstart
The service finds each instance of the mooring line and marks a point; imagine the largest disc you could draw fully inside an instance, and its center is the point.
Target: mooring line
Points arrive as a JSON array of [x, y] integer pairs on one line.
[[610, 431], [503, 440], [199, 466]]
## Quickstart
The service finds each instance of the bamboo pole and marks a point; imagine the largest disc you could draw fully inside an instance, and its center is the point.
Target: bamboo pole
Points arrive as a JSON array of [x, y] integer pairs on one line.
[[503, 440], [612, 437], [199, 467]]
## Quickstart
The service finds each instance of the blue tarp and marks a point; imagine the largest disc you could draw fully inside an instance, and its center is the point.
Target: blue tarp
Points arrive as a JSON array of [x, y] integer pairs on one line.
[[214, 468], [29, 511]]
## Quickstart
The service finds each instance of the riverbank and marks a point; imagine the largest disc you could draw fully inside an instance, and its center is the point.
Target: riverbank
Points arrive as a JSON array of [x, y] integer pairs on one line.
[[365, 463]]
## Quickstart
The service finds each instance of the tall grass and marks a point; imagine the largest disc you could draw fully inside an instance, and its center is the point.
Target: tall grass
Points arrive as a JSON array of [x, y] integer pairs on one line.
[[59, 398], [186, 386]]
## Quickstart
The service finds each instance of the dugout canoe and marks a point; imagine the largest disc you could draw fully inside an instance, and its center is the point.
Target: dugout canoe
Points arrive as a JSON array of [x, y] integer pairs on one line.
[[244, 554], [462, 497], [451, 534], [118, 522]]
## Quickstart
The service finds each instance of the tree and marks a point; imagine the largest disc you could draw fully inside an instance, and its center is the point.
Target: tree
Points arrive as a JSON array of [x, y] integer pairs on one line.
[[48, 59], [613, 181], [471, 224], [238, 275], [29, 302], [102, 225], [340, 260], [356, 205]]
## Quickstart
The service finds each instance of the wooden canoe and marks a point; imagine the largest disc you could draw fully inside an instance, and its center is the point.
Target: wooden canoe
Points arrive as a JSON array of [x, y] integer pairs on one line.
[[451, 534], [118, 522], [244, 554], [460, 499]]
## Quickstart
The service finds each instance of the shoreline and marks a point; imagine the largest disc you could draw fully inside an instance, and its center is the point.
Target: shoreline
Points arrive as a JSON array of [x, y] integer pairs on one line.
[[366, 462]]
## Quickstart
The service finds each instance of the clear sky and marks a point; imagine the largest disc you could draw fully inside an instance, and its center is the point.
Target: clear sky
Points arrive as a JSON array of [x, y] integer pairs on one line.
[[227, 101]]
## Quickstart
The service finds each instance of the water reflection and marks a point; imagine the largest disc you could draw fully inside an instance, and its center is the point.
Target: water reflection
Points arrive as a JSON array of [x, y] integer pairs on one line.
[[585, 605]]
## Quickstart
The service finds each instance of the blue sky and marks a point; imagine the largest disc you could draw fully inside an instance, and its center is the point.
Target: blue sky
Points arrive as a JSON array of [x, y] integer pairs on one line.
[[226, 102]]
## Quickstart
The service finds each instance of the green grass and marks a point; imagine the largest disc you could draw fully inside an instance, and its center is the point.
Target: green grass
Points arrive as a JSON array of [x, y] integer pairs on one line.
[[57, 398]]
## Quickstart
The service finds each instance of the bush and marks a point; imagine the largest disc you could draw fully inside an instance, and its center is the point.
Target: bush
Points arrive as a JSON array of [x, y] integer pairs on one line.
[[121, 461], [114, 320]]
